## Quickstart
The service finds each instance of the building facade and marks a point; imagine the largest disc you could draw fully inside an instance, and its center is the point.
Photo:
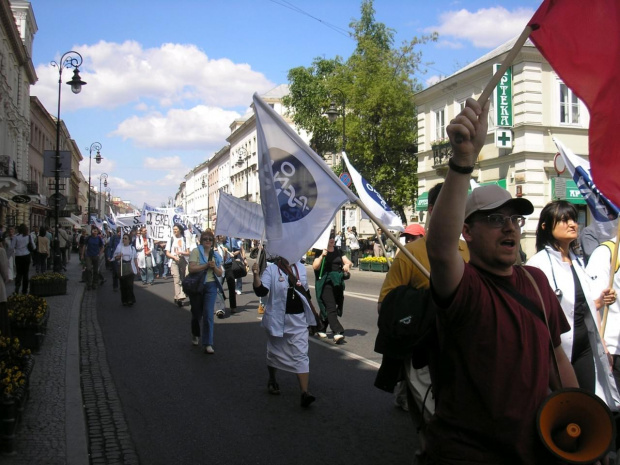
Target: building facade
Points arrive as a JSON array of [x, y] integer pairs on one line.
[[17, 30], [533, 106]]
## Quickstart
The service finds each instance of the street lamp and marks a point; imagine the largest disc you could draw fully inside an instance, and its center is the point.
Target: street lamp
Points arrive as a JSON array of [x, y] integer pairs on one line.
[[332, 115], [95, 146], [73, 60], [243, 153], [108, 191], [103, 176]]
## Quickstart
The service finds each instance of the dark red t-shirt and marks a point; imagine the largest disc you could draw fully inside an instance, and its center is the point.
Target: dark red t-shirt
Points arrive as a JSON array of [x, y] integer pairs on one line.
[[493, 371]]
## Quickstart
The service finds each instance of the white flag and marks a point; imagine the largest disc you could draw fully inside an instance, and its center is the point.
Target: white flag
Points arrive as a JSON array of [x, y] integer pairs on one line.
[[239, 218], [373, 200], [604, 212], [300, 195]]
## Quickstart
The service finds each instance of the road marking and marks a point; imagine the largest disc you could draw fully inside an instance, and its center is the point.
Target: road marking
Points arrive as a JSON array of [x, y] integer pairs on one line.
[[331, 346]]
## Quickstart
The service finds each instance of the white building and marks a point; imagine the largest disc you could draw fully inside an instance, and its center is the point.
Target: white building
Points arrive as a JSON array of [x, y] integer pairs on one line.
[[535, 106]]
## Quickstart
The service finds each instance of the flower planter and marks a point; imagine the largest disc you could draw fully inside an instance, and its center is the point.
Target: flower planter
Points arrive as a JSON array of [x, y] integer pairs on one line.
[[11, 411], [44, 288], [364, 266], [31, 337], [381, 267]]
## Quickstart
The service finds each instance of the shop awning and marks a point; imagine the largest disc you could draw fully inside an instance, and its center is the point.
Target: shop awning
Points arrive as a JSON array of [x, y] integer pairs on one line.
[[67, 222], [566, 189], [421, 203]]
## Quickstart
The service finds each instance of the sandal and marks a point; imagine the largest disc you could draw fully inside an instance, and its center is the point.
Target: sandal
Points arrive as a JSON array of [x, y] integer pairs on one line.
[[273, 388]]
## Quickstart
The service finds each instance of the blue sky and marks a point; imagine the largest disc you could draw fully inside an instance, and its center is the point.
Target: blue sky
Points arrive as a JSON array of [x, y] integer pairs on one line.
[[166, 78]]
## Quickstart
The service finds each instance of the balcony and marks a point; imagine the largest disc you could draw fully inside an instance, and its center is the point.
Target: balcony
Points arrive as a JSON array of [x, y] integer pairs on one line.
[[32, 188], [441, 155], [8, 174], [7, 167]]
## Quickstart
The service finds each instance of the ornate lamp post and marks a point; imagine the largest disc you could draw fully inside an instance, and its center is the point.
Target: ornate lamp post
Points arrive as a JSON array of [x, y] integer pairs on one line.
[[243, 154], [95, 146], [103, 176], [332, 115], [73, 60]]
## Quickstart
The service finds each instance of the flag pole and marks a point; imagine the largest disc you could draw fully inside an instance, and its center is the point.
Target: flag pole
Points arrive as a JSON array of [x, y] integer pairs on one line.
[[488, 90], [612, 272], [395, 240]]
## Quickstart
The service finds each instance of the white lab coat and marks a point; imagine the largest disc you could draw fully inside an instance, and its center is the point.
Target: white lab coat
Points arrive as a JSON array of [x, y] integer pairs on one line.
[[550, 262], [599, 267]]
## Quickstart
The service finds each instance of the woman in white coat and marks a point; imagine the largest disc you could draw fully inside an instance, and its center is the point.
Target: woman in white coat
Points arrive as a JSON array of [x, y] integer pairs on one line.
[[286, 320], [556, 242], [126, 254]]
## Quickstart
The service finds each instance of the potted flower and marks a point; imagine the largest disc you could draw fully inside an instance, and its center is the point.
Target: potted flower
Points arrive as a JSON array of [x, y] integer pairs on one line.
[[47, 284], [16, 366], [374, 264], [28, 318]]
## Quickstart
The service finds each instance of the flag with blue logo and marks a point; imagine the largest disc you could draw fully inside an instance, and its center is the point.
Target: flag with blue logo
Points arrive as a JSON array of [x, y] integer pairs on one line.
[[373, 199], [604, 212], [300, 194]]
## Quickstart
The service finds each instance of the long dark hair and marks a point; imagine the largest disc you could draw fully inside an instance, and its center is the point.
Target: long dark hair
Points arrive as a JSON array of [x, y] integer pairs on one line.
[[552, 214]]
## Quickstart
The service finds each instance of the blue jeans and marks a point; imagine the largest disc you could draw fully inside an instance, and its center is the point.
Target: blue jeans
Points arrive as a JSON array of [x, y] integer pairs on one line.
[[239, 285], [208, 309], [146, 273]]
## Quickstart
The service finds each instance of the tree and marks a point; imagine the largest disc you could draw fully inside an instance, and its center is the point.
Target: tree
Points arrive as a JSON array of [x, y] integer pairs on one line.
[[376, 87]]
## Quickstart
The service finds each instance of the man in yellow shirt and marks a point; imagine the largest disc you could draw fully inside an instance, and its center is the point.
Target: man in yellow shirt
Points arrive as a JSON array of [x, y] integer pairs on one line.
[[419, 401]]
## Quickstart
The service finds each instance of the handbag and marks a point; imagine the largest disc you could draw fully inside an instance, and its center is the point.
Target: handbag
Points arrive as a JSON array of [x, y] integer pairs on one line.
[[194, 283], [238, 269]]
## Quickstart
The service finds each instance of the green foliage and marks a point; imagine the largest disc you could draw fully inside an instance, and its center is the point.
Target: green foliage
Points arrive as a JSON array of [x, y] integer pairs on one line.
[[375, 87]]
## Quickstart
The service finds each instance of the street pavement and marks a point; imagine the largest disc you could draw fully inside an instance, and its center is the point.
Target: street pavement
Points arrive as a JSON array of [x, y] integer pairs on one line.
[[148, 396]]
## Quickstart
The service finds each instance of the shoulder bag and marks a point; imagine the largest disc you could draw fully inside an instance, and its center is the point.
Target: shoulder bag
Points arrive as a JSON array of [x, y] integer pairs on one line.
[[238, 269], [194, 283]]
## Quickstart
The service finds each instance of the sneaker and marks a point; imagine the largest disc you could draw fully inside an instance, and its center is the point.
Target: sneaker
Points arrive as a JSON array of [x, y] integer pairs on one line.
[[195, 340], [307, 399], [238, 292], [321, 334], [209, 350], [338, 338], [219, 314]]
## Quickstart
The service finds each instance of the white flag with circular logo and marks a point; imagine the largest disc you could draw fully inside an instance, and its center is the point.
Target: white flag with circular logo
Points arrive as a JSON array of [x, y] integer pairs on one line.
[[300, 194]]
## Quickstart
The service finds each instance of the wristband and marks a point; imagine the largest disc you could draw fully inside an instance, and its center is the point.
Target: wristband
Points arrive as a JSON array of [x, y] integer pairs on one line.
[[460, 169]]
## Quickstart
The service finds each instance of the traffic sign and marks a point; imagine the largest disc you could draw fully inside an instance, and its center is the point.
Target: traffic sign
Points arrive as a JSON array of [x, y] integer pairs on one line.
[[346, 179], [59, 199]]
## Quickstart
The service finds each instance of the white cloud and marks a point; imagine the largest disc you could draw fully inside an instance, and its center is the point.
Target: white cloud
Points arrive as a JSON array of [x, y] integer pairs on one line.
[[450, 44], [432, 80], [118, 74], [163, 163], [195, 129], [485, 28]]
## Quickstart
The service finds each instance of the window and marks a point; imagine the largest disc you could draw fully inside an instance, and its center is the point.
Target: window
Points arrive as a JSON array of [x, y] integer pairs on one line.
[[569, 106], [440, 125]]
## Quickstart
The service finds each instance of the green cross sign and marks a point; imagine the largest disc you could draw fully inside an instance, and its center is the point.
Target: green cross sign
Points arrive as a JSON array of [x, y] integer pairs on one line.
[[503, 138]]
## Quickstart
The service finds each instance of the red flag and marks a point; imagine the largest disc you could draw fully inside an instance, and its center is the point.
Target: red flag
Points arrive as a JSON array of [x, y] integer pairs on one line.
[[581, 41]]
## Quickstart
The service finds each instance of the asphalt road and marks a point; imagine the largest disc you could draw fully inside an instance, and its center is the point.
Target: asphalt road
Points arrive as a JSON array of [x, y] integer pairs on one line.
[[186, 407]]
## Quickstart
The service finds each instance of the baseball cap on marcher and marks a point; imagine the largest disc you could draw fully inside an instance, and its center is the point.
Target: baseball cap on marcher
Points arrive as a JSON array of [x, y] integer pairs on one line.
[[486, 198]]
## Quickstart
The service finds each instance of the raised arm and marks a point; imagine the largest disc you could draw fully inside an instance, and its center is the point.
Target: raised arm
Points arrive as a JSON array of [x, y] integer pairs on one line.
[[446, 224]]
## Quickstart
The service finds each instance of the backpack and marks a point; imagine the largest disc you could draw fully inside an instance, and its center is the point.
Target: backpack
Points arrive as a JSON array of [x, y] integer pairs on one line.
[[407, 325]]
